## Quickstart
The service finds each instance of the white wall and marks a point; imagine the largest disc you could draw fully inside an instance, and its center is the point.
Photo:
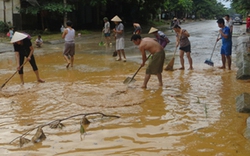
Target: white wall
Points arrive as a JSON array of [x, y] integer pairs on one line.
[[10, 8]]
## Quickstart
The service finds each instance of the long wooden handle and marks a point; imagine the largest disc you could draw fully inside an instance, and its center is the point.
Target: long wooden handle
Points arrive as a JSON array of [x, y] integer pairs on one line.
[[139, 68], [13, 74]]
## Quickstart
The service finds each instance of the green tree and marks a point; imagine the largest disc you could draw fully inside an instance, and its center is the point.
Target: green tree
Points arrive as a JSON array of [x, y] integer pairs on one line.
[[241, 6]]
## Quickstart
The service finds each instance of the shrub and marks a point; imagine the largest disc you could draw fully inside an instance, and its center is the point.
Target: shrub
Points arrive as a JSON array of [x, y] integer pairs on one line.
[[3, 26]]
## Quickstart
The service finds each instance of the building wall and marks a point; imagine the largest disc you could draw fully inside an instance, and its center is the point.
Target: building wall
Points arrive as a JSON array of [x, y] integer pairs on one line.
[[7, 9]]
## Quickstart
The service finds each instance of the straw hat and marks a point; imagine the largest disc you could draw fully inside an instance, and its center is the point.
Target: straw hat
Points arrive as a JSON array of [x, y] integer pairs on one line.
[[116, 19], [248, 15], [175, 18], [18, 37], [152, 29]]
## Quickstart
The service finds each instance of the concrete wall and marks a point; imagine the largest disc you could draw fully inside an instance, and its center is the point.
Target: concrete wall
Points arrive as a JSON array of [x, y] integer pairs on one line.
[[7, 9], [243, 57]]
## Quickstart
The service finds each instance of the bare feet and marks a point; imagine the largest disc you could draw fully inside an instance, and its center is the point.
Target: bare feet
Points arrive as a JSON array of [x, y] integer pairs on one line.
[[68, 65], [144, 87], [222, 67], [191, 68], [182, 68], [40, 80]]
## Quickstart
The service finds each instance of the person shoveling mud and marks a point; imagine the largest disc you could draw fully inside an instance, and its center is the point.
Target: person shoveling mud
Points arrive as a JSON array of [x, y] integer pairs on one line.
[[23, 48], [157, 60]]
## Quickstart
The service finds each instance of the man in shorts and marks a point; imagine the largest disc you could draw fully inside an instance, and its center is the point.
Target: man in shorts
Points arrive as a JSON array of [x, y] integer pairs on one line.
[[156, 62], [226, 48], [106, 30], [69, 45], [119, 35]]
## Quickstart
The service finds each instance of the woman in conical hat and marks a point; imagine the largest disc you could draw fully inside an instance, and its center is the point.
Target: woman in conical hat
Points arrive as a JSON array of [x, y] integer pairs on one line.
[[161, 38], [119, 35], [23, 48]]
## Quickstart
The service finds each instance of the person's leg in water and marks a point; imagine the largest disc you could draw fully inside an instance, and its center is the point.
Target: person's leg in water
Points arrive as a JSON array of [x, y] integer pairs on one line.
[[118, 50], [123, 54], [66, 57], [72, 60], [35, 69], [159, 76], [38, 77], [223, 59], [182, 60], [229, 60], [21, 60], [118, 55], [190, 61], [146, 79], [21, 78], [66, 53]]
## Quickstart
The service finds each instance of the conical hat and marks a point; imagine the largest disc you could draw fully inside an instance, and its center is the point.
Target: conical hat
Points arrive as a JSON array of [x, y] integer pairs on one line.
[[18, 37], [116, 19], [152, 29]]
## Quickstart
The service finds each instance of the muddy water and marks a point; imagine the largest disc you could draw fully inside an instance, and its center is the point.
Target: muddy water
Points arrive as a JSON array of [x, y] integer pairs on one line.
[[192, 114]]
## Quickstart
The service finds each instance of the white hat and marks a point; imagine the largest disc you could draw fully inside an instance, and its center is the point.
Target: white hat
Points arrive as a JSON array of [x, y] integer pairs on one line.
[[18, 37], [116, 19], [152, 29]]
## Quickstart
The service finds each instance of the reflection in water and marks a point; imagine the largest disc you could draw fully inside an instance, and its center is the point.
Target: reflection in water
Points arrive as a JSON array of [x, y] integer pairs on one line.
[[193, 114]]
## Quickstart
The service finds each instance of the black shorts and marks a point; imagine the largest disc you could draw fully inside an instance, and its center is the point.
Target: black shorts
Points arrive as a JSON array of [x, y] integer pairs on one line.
[[186, 48]]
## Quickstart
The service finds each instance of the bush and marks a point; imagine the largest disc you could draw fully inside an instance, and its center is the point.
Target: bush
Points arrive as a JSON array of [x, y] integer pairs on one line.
[[3, 27]]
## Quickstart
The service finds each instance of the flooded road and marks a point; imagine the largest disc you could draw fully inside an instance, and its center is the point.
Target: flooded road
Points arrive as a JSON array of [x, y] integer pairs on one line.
[[193, 113]]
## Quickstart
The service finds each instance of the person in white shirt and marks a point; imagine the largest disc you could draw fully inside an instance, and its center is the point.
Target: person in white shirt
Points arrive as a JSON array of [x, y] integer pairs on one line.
[[39, 41], [69, 45], [229, 23]]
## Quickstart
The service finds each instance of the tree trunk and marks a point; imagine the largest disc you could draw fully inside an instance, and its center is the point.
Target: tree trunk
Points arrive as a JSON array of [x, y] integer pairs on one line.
[[65, 13]]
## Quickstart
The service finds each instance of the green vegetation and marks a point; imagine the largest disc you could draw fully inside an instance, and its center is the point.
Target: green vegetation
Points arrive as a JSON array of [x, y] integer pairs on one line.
[[3, 27], [241, 6], [58, 11]]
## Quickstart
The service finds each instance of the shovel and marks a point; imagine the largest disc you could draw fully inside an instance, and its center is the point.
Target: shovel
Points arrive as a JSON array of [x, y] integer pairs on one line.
[[129, 80]]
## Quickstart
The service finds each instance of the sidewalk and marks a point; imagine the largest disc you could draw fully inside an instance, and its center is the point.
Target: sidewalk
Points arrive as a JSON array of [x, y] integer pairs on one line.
[[6, 47]]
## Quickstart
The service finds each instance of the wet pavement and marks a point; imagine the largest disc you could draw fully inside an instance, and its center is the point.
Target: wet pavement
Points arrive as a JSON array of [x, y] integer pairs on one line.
[[192, 114]]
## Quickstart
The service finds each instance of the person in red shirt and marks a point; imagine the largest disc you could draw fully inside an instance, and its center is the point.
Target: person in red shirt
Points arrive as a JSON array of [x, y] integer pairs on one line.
[[248, 23]]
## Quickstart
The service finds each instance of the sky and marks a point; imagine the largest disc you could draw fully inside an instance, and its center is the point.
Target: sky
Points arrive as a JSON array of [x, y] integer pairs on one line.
[[227, 4]]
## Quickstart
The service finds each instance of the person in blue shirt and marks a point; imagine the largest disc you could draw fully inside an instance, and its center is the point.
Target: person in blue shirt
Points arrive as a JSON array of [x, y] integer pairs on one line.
[[226, 48]]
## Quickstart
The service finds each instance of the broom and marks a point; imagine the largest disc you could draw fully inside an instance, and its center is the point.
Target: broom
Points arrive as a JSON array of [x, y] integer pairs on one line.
[[171, 63], [209, 61]]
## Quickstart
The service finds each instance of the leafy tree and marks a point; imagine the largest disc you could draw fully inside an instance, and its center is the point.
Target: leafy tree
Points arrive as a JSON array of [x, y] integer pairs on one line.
[[241, 6], [46, 8]]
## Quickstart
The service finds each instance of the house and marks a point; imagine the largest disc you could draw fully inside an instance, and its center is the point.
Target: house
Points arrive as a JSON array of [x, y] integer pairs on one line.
[[9, 14]]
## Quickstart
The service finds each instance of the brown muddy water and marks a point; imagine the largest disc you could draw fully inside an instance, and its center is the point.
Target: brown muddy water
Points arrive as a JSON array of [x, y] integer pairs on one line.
[[193, 114]]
